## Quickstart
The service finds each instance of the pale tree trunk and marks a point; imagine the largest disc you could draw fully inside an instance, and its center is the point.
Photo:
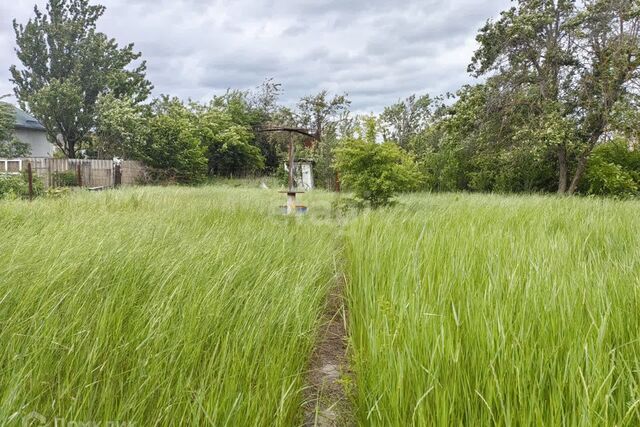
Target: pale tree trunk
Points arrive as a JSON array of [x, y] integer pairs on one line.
[[563, 169], [580, 170], [583, 160]]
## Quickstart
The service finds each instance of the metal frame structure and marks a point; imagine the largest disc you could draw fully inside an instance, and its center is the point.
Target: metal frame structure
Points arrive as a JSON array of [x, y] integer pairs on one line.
[[291, 191]]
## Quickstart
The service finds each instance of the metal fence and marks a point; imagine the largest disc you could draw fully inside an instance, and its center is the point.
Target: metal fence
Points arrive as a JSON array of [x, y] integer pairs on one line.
[[85, 173]]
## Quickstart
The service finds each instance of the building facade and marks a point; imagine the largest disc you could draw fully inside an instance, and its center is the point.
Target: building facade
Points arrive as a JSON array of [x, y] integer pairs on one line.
[[30, 131]]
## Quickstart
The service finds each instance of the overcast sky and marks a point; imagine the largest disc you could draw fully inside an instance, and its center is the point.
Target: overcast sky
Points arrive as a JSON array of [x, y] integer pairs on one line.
[[377, 51]]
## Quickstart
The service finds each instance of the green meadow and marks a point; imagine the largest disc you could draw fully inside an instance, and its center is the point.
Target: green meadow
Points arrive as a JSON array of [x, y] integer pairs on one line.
[[202, 306]]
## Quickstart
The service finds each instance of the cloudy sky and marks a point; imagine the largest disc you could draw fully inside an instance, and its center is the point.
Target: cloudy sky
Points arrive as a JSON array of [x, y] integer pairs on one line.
[[377, 51]]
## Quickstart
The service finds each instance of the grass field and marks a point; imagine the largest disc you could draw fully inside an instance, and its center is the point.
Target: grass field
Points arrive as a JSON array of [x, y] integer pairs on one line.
[[159, 306], [195, 306], [486, 310]]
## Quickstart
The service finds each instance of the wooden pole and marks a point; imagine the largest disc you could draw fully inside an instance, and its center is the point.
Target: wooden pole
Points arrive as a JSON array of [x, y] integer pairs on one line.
[[30, 177], [79, 175], [118, 176], [291, 153]]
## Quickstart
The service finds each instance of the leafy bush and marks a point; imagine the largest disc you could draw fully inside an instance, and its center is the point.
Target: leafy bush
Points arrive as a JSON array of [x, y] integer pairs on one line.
[[7, 120], [614, 170], [228, 144], [173, 144], [65, 179], [17, 186], [375, 172], [14, 148], [12, 186]]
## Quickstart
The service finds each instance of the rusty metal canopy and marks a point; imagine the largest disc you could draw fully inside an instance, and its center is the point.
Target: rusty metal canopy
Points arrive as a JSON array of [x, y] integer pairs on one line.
[[301, 131]]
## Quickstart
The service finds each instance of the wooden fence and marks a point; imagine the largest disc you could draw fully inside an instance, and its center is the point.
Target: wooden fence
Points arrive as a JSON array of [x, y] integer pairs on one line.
[[87, 173]]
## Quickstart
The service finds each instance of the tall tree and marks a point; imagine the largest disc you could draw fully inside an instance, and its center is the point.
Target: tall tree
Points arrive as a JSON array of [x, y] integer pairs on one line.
[[404, 120], [67, 65], [324, 116], [7, 121], [320, 113], [568, 65]]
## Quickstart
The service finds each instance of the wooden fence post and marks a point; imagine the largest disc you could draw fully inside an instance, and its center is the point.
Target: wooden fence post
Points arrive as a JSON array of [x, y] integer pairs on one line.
[[117, 176], [30, 176], [79, 175]]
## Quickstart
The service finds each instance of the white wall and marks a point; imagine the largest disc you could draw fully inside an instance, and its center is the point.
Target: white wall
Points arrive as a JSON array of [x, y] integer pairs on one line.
[[40, 146]]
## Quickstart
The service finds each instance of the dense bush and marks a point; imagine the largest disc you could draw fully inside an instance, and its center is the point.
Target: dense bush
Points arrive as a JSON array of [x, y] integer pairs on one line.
[[173, 144], [613, 169], [67, 178], [185, 143], [375, 172], [14, 148], [17, 186], [228, 144]]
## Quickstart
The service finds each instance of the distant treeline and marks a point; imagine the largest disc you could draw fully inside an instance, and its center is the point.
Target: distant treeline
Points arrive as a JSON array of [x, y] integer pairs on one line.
[[557, 109]]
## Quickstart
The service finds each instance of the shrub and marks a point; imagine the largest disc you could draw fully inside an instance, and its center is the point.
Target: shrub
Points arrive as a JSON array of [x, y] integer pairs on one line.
[[65, 179], [375, 172], [173, 145], [12, 186], [13, 148], [613, 170], [17, 186]]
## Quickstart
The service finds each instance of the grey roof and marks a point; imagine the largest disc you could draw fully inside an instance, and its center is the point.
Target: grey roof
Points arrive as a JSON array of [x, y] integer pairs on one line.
[[26, 120]]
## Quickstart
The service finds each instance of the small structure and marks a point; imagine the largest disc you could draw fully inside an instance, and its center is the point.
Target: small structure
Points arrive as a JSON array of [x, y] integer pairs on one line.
[[291, 191], [30, 131], [302, 173]]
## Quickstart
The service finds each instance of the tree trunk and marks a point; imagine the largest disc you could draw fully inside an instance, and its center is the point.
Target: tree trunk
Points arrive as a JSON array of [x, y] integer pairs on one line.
[[563, 169], [71, 149], [577, 177], [584, 158]]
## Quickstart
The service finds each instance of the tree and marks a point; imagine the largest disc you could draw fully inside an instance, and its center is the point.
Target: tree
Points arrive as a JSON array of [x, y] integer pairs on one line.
[[375, 172], [10, 146], [120, 129], [13, 148], [324, 116], [613, 169], [228, 144], [67, 65], [173, 145], [406, 119], [7, 121], [320, 113], [567, 65]]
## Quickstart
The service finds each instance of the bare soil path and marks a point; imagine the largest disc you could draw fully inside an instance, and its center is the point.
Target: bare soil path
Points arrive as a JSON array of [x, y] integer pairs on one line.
[[326, 397]]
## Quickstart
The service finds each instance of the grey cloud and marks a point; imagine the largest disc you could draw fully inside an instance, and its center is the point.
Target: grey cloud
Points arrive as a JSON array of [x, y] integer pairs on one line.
[[378, 51]]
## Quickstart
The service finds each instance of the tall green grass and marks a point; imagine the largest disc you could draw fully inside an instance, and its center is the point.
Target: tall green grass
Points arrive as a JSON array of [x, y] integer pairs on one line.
[[159, 306], [487, 310]]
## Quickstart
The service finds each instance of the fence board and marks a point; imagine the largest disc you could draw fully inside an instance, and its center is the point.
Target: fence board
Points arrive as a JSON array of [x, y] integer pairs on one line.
[[93, 173]]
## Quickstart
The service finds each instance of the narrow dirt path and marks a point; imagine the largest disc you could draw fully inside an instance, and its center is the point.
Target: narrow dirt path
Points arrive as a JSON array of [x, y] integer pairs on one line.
[[327, 402]]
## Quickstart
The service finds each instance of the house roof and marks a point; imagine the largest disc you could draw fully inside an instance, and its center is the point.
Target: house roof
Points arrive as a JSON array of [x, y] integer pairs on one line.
[[26, 120]]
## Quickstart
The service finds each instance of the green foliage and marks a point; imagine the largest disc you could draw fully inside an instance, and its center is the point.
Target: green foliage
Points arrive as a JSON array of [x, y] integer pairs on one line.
[[12, 186], [613, 169], [560, 70], [403, 121], [14, 148], [251, 110], [7, 121], [68, 65], [17, 186], [472, 147], [327, 117], [228, 144], [121, 127], [173, 145], [375, 172], [185, 143], [68, 178]]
